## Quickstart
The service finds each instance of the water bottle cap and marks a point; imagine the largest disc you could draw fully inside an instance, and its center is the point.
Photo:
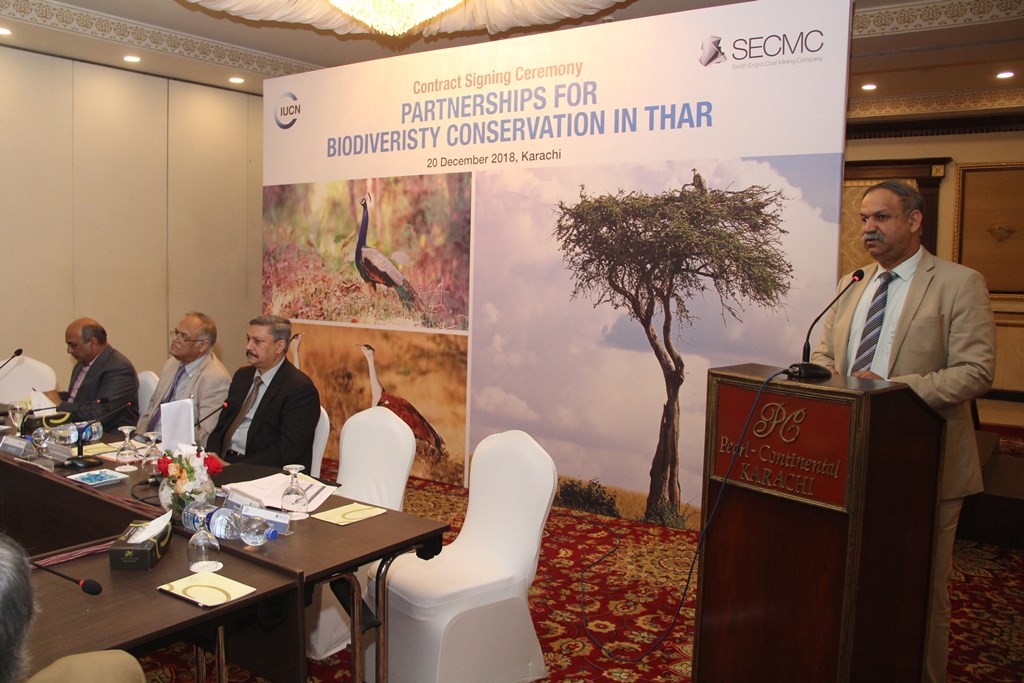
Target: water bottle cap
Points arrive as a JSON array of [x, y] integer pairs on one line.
[[271, 534]]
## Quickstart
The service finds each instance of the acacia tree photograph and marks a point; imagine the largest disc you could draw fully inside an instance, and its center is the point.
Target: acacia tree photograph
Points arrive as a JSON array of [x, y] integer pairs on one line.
[[651, 254], [602, 295]]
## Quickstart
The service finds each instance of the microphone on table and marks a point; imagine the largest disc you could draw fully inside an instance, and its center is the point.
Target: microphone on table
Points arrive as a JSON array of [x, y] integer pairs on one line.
[[806, 369], [17, 352], [112, 413], [213, 412], [87, 585], [101, 418]]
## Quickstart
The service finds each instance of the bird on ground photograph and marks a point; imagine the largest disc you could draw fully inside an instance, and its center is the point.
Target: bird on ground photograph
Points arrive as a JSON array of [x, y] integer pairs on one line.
[[428, 442]]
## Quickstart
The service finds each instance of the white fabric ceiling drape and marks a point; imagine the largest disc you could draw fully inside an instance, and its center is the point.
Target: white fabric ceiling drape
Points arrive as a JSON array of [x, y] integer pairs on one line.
[[494, 16]]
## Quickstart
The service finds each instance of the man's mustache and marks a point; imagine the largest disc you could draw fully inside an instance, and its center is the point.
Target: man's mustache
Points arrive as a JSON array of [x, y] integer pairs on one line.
[[873, 235]]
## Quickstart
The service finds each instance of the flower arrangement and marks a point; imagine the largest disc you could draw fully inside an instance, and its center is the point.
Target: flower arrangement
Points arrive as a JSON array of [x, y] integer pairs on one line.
[[186, 477]]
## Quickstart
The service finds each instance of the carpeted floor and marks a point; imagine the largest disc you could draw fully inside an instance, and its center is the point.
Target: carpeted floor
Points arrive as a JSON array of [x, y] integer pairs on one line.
[[637, 632]]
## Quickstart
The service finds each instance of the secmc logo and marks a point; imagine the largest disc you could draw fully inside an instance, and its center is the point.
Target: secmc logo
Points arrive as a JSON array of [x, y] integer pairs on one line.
[[711, 51], [287, 112]]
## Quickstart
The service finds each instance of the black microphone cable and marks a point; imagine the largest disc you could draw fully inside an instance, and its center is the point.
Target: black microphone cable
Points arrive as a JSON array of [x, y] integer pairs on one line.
[[696, 554]]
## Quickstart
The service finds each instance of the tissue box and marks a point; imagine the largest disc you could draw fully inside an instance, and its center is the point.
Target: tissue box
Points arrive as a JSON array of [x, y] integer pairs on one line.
[[127, 555]]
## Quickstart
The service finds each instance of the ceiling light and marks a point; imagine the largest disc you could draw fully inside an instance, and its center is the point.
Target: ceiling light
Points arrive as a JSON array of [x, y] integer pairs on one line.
[[1004, 74], [868, 86], [132, 58], [236, 80], [5, 31], [393, 17]]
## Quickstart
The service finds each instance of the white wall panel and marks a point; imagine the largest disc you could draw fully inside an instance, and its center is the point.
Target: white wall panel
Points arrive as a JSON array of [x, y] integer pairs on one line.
[[35, 205], [120, 208], [211, 255]]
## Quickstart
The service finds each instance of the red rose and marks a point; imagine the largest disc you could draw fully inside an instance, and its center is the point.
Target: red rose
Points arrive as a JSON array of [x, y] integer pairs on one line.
[[162, 465], [213, 465]]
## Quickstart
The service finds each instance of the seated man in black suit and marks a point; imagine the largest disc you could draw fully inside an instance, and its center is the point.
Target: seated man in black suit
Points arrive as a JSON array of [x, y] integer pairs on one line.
[[270, 421], [103, 381]]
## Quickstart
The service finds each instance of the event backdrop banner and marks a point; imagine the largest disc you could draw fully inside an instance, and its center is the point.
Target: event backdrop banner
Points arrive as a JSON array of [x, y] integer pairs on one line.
[[591, 218]]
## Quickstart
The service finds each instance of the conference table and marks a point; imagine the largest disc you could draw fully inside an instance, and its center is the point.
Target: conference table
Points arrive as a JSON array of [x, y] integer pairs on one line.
[[263, 631]]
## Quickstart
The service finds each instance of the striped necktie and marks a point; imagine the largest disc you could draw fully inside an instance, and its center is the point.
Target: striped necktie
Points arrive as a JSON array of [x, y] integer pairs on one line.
[[873, 325], [154, 419], [242, 412]]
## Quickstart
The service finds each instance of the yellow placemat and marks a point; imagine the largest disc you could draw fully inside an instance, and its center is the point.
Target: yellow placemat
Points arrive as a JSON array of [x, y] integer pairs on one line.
[[207, 589], [346, 514]]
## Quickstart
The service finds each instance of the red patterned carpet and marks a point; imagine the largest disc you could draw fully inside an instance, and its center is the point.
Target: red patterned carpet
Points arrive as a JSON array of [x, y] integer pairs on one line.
[[632, 598]]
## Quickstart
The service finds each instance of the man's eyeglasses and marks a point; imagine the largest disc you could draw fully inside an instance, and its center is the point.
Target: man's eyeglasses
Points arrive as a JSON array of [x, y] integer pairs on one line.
[[181, 336]]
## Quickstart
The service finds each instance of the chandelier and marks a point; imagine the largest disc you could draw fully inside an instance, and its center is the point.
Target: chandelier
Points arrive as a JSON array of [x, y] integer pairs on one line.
[[398, 17], [393, 17]]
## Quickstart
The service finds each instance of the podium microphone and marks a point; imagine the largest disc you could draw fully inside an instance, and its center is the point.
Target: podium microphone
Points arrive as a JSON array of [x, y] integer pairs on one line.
[[17, 352], [213, 412], [806, 369], [87, 585]]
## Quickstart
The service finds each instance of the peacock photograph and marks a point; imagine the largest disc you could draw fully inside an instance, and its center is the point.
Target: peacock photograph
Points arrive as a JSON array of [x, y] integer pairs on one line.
[[381, 251]]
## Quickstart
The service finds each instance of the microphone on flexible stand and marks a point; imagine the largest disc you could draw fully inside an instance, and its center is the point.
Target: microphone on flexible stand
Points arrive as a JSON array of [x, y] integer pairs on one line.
[[87, 585], [806, 369], [213, 412], [101, 418], [17, 352]]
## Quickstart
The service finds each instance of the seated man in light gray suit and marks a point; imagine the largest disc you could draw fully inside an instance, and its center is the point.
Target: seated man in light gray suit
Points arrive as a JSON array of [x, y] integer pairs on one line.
[[193, 371]]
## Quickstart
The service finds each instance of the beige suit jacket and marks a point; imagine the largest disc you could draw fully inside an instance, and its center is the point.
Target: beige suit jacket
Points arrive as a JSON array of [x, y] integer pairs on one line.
[[208, 385], [944, 349]]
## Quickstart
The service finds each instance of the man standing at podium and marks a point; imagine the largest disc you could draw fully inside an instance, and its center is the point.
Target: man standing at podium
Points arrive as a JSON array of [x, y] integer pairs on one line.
[[926, 322]]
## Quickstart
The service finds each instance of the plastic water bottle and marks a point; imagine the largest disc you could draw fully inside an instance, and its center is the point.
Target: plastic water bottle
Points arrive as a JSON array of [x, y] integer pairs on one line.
[[89, 431], [257, 531], [196, 515], [229, 524]]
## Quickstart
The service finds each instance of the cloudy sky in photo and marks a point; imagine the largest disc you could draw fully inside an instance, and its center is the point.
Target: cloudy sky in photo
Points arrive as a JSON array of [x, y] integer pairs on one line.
[[583, 380]]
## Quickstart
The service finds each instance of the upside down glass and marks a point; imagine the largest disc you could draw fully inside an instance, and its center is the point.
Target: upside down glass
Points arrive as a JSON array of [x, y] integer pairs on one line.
[[294, 500], [203, 547]]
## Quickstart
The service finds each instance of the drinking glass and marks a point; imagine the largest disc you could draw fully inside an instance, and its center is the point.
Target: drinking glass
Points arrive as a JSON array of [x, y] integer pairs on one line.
[[126, 454], [41, 442], [16, 410], [294, 499], [152, 454], [203, 547]]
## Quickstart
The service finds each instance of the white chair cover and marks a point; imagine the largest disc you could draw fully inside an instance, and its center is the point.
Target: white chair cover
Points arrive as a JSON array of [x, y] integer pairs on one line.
[[323, 429], [376, 453], [24, 378], [147, 385], [463, 616]]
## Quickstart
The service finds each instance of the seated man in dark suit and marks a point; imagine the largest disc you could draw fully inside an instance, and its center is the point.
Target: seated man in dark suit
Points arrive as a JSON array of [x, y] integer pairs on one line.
[[103, 381], [273, 407]]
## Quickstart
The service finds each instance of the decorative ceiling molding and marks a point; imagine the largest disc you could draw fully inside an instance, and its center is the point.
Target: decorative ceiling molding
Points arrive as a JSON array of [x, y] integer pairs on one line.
[[103, 26], [933, 14], [990, 101]]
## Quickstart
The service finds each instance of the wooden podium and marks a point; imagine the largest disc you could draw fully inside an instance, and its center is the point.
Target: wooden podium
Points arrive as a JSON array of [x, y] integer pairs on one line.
[[817, 563]]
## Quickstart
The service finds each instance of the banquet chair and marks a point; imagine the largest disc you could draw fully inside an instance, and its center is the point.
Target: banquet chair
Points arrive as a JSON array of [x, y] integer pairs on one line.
[[374, 459], [147, 385], [24, 377], [323, 429], [463, 616]]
